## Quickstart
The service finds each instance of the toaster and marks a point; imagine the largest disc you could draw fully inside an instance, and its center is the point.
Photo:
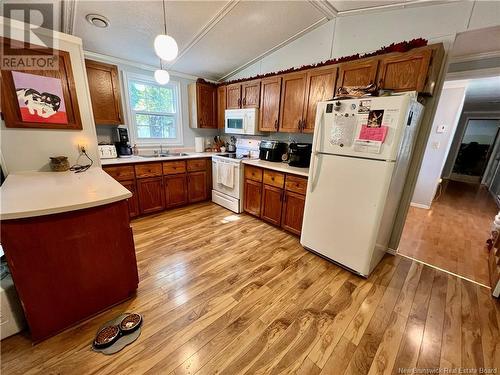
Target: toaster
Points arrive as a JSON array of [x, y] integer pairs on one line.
[[107, 151]]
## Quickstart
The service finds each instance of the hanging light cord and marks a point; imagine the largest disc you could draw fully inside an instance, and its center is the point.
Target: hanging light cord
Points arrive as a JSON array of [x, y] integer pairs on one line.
[[164, 17]]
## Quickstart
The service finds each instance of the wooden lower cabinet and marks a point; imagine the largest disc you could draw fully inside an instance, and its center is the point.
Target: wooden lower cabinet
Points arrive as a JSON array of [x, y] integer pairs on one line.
[[272, 198], [133, 202], [175, 190], [253, 197], [157, 186], [197, 186], [276, 197], [293, 212], [151, 195]]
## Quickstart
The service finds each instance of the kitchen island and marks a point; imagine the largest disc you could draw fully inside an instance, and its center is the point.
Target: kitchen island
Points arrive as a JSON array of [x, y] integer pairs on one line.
[[69, 245]]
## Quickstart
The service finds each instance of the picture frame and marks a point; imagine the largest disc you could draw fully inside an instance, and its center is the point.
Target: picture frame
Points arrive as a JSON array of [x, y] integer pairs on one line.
[[41, 99]]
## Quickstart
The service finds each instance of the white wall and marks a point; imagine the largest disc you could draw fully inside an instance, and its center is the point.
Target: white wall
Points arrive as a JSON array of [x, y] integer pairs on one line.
[[30, 149], [482, 131], [361, 33], [447, 114], [107, 133]]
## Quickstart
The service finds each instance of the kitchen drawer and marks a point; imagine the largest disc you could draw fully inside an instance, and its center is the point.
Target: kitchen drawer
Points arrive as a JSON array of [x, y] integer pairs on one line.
[[253, 173], [196, 165], [296, 184], [274, 178], [174, 167], [121, 173], [148, 170]]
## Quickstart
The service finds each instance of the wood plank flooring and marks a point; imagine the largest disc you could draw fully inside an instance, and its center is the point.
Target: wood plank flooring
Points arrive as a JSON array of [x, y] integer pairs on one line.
[[229, 294], [452, 234]]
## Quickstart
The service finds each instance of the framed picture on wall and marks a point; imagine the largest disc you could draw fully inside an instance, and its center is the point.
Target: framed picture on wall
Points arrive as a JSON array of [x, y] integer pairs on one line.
[[40, 98]]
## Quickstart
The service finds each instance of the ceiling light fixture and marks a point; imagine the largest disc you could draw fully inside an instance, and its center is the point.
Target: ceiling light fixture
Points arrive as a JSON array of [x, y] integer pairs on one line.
[[161, 76], [165, 46], [97, 20]]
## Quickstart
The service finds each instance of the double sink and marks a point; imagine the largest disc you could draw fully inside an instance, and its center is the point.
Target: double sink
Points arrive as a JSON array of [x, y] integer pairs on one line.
[[170, 154]]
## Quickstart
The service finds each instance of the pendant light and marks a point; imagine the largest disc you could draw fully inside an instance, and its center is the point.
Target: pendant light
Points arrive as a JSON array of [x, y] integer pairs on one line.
[[161, 75], [165, 46]]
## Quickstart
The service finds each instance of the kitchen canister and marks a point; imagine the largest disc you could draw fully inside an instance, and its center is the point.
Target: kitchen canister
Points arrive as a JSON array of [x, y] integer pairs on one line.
[[199, 144]]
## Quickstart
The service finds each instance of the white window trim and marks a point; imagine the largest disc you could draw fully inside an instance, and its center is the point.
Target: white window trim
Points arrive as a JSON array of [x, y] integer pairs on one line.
[[153, 142]]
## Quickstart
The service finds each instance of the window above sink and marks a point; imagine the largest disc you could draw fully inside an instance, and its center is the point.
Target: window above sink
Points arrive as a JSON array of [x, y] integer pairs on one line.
[[154, 111]]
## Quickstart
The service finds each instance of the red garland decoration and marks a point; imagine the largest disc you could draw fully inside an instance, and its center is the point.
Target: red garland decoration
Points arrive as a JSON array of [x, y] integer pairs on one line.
[[394, 47]]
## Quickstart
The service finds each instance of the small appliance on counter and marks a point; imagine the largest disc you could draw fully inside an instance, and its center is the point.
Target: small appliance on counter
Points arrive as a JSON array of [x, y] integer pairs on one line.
[[299, 154], [123, 149], [272, 151], [107, 151]]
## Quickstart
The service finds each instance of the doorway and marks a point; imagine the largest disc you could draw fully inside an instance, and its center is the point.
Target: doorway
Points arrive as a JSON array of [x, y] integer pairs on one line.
[[457, 190], [476, 150]]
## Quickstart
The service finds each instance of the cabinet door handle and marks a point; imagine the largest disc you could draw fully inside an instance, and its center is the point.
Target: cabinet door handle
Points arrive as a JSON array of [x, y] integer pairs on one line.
[[276, 124], [239, 102], [244, 101]]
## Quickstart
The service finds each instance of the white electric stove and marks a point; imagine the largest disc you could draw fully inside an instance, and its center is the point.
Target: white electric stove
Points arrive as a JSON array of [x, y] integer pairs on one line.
[[230, 195]]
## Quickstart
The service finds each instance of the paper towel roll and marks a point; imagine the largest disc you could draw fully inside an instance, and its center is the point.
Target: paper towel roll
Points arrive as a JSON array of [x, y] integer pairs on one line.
[[199, 144]]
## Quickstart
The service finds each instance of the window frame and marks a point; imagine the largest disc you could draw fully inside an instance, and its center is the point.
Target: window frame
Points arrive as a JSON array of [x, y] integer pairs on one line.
[[132, 125]]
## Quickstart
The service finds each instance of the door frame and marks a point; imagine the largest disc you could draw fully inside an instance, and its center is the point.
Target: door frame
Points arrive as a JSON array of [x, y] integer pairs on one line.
[[461, 132], [495, 151]]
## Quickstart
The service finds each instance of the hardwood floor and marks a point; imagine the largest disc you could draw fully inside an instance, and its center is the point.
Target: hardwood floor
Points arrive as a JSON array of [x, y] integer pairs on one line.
[[452, 234], [230, 294]]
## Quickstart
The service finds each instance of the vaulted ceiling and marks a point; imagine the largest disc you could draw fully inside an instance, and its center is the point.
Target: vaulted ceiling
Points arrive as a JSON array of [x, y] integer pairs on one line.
[[215, 38]]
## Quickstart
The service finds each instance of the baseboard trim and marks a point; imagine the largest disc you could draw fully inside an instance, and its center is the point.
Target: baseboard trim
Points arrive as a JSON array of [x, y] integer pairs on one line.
[[391, 251], [418, 205], [446, 271]]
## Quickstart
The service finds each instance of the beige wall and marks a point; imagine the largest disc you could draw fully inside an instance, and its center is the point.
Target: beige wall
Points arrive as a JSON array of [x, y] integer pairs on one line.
[[30, 149]]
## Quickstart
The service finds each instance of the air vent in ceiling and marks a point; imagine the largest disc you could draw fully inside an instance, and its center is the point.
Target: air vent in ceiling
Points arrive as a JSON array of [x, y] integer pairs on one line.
[[97, 20]]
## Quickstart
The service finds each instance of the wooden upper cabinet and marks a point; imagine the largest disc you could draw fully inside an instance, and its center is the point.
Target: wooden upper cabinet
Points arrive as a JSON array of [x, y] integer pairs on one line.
[[206, 105], [270, 92], [104, 93], [293, 92], [250, 94], [358, 73], [233, 96], [320, 86], [405, 71], [221, 106]]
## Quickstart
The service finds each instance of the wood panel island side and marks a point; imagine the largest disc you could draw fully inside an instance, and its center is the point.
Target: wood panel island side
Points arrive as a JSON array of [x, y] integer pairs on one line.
[[69, 246]]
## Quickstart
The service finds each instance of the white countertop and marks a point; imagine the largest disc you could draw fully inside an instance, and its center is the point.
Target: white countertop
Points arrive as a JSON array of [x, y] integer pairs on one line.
[[277, 166], [30, 194], [142, 159]]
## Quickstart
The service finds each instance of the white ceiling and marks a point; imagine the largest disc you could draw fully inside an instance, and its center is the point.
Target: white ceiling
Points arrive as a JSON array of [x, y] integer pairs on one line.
[[483, 94], [215, 38]]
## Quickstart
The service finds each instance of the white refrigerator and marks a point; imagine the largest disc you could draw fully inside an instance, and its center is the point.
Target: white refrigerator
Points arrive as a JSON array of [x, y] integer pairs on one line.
[[359, 163]]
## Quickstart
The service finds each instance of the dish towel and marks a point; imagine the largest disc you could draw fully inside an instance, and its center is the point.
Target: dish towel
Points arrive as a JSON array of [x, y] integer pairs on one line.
[[225, 174]]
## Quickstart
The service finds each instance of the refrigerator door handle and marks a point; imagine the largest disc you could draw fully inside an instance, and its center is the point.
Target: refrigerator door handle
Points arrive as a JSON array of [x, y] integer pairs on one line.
[[312, 170], [314, 155]]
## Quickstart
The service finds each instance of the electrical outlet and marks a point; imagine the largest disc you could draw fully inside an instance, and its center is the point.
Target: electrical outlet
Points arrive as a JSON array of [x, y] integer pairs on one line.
[[441, 128], [81, 148]]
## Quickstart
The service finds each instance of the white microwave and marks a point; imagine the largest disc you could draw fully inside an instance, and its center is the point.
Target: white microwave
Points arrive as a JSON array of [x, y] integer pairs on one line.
[[242, 121]]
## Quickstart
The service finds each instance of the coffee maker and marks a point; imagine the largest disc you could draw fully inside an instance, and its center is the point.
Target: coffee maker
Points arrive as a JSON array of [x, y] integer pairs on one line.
[[123, 149]]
